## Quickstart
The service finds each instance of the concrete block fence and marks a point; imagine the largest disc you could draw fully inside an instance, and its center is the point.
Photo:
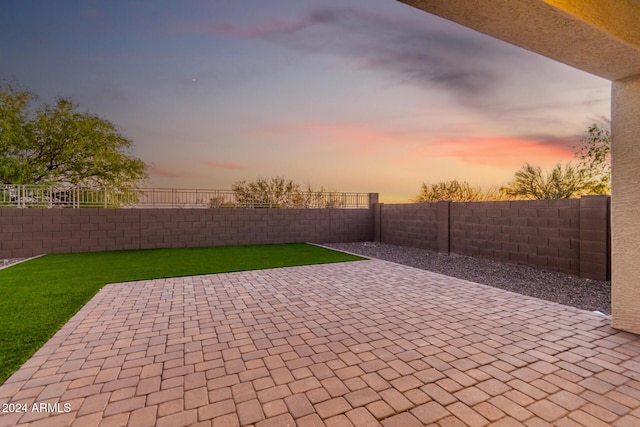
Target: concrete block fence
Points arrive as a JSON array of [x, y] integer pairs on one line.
[[29, 232], [569, 235]]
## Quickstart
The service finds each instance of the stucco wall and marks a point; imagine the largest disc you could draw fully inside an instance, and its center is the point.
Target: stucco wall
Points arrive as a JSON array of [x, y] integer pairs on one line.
[[625, 209]]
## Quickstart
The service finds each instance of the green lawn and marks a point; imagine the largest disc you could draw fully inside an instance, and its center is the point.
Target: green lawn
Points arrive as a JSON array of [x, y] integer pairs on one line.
[[39, 296]]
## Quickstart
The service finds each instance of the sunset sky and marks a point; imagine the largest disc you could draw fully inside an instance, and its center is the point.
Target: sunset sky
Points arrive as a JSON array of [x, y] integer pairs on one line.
[[353, 95]]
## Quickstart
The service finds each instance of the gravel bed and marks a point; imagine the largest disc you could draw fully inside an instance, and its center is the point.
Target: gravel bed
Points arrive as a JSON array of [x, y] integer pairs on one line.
[[592, 295]]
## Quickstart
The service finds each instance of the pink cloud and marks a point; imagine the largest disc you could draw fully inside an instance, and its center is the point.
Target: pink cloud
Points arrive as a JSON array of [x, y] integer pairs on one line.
[[267, 29], [165, 171], [182, 169], [223, 165]]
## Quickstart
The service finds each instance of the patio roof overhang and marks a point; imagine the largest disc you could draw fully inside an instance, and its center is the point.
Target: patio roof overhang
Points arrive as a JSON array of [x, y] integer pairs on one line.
[[601, 37]]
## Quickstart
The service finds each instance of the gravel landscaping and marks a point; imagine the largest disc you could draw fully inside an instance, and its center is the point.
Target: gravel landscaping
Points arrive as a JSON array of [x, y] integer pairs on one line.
[[592, 295]]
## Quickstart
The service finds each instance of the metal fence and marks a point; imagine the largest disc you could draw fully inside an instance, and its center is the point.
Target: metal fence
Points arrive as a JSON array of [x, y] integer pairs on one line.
[[30, 196]]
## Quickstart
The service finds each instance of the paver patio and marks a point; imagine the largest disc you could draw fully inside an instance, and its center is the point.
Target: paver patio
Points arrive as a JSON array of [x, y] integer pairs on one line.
[[358, 343]]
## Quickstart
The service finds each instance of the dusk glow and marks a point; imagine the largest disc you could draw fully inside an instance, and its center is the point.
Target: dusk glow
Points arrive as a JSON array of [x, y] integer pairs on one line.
[[364, 96]]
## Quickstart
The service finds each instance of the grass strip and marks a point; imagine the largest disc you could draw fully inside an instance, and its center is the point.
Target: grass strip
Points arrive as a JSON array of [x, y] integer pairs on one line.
[[39, 296]]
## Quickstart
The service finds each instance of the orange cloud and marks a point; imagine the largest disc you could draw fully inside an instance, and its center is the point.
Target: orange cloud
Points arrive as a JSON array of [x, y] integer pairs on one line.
[[499, 151], [406, 148]]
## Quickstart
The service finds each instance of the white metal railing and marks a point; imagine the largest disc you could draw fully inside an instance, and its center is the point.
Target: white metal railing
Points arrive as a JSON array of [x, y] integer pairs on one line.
[[26, 196]]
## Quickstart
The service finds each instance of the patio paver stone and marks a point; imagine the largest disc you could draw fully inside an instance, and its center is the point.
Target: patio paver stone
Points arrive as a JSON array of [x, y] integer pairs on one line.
[[367, 343]]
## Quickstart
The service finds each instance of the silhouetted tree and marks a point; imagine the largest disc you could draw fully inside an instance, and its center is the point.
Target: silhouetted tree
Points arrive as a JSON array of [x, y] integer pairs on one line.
[[456, 191], [559, 183], [281, 193], [269, 193], [594, 159]]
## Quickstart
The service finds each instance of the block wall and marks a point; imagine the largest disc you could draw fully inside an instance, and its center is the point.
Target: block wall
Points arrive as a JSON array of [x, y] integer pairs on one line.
[[414, 224], [541, 233], [595, 237], [29, 232], [569, 235]]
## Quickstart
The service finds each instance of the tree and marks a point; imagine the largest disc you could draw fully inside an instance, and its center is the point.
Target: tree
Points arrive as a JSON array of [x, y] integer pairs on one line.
[[594, 159], [559, 183], [271, 193], [59, 146], [281, 193], [592, 175], [455, 191], [319, 198], [14, 130]]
